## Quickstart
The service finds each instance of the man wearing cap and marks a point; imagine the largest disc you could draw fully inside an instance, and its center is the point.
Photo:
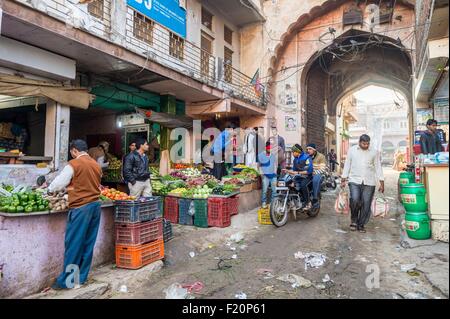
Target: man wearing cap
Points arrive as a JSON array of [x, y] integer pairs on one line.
[[319, 163], [302, 169], [430, 141], [99, 154], [268, 166]]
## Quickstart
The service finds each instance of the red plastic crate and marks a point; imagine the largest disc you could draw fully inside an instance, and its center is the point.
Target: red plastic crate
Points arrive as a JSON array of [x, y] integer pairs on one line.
[[171, 210], [141, 233], [219, 212], [234, 203], [135, 257]]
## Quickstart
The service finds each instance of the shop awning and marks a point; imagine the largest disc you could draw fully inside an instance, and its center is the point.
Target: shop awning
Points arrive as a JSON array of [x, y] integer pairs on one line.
[[165, 119], [66, 95]]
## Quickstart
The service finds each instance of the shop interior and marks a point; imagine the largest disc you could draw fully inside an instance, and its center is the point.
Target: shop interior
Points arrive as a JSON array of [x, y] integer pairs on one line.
[[22, 130]]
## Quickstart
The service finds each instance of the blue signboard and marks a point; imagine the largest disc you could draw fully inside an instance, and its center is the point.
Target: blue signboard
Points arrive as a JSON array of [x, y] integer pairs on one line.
[[169, 13]]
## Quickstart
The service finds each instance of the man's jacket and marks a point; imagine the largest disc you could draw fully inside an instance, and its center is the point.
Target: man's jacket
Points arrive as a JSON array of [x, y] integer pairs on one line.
[[319, 163], [136, 168], [430, 143]]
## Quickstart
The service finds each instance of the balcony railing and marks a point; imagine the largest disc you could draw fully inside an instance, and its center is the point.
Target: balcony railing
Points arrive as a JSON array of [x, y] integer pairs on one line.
[[240, 86], [154, 42]]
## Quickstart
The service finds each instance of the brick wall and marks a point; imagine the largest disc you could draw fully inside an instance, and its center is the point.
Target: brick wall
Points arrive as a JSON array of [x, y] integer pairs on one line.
[[315, 99]]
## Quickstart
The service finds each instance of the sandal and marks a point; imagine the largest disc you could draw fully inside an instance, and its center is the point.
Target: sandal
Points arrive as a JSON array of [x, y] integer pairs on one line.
[[362, 230], [353, 227]]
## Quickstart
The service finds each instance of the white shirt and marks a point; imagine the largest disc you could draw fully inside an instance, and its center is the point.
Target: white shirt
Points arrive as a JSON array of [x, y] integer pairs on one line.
[[63, 179], [363, 166], [101, 162]]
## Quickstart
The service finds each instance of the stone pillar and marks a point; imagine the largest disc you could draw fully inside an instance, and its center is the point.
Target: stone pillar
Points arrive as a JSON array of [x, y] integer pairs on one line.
[[50, 130], [57, 127]]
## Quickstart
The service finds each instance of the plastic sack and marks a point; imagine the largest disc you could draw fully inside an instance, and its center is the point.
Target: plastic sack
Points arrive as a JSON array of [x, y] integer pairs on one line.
[[380, 207], [176, 291], [191, 211], [342, 204]]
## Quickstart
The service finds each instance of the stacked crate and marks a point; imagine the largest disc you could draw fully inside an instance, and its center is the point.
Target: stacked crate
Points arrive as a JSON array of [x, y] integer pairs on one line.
[[171, 210], [139, 232], [219, 212], [186, 211]]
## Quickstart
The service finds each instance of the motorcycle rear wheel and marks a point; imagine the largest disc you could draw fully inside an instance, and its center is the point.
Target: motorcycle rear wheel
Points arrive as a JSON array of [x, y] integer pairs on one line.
[[313, 212], [278, 217]]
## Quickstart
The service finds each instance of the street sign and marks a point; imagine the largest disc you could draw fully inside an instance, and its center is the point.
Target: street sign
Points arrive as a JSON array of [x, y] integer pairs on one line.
[[169, 13]]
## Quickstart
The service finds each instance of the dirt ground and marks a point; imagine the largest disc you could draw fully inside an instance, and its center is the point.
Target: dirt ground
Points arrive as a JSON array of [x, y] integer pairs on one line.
[[266, 253]]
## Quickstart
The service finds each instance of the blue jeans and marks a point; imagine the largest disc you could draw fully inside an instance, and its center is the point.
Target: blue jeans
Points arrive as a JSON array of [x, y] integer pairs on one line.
[[317, 181], [360, 203], [81, 234], [301, 185], [266, 182]]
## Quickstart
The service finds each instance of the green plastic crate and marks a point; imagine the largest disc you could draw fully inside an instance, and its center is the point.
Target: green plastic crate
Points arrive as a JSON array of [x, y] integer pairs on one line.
[[201, 213]]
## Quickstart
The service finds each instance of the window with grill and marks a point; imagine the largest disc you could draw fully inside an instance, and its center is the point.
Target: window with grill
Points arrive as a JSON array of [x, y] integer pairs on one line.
[[207, 18], [206, 53], [176, 48], [95, 8], [143, 28], [403, 124], [228, 62], [228, 35]]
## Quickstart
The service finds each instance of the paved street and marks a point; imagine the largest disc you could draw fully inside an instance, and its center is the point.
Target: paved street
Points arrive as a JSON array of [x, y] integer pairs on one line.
[[271, 249]]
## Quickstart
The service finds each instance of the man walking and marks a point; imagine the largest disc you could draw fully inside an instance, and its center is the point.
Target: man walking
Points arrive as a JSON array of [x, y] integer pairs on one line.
[[430, 141], [82, 177], [363, 171], [332, 160], [136, 171]]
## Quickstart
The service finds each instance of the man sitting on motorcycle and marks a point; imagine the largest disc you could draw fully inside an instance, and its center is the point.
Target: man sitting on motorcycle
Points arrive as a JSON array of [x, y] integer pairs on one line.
[[320, 163], [302, 169]]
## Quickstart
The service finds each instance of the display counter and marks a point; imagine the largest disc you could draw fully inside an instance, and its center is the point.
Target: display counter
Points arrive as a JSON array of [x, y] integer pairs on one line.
[[32, 249], [436, 180]]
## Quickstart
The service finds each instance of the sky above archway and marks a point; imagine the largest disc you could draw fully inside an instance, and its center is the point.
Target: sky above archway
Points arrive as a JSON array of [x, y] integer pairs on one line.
[[375, 94]]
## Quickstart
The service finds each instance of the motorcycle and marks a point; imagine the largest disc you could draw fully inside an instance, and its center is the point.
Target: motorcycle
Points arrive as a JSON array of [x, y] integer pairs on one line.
[[287, 199], [328, 180]]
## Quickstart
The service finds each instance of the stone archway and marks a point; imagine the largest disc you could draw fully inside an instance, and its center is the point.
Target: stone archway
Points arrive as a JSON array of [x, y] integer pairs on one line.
[[300, 87], [331, 76]]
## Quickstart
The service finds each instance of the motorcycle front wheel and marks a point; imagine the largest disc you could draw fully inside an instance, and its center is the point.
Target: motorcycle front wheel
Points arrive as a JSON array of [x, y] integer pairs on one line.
[[278, 216]]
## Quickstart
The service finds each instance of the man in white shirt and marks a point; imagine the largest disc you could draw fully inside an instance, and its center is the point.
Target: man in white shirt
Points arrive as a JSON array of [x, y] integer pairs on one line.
[[363, 171]]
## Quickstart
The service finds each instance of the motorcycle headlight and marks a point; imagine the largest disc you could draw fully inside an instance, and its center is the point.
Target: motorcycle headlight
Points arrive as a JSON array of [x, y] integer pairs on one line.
[[281, 183]]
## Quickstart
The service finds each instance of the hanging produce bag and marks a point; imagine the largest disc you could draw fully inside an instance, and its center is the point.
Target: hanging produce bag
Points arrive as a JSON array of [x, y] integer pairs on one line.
[[342, 204]]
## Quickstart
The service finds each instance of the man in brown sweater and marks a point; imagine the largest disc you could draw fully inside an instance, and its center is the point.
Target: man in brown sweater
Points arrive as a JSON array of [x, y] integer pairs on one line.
[[82, 178]]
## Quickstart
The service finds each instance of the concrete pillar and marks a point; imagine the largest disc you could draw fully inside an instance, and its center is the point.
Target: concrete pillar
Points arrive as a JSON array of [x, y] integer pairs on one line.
[[63, 116], [57, 126], [50, 130]]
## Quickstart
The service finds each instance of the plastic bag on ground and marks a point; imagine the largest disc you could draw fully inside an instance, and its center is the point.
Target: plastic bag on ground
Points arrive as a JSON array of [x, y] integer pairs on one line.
[[342, 204], [176, 291]]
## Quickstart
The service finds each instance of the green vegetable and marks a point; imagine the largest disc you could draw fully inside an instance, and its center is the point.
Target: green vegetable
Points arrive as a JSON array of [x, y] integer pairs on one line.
[[41, 208], [20, 209], [28, 209], [12, 209]]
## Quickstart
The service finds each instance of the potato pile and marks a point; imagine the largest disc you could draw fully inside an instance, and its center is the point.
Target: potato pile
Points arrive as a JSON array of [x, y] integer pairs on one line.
[[57, 201]]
